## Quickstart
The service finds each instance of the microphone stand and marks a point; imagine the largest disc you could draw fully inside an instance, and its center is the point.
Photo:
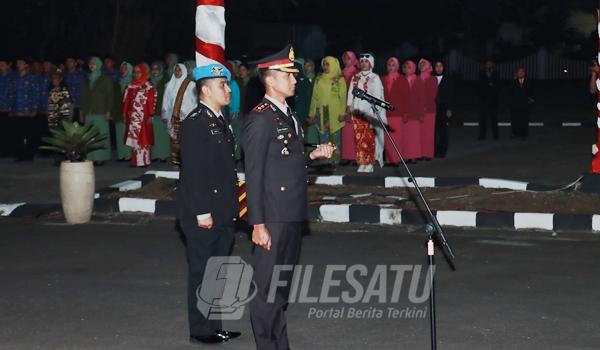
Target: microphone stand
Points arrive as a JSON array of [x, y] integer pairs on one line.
[[432, 229]]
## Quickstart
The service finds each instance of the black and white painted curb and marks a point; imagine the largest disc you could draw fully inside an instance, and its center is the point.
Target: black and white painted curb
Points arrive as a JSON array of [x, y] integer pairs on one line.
[[359, 180], [425, 182], [540, 124], [344, 213], [350, 213]]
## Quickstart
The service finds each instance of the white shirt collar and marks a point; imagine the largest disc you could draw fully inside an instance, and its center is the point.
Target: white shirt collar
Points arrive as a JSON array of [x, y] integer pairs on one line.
[[282, 107], [219, 114]]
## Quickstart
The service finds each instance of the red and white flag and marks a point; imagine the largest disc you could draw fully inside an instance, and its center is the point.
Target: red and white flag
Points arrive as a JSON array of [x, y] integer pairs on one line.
[[210, 32]]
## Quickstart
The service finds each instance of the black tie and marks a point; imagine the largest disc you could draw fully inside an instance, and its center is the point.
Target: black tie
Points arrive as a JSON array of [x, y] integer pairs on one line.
[[291, 119], [223, 123]]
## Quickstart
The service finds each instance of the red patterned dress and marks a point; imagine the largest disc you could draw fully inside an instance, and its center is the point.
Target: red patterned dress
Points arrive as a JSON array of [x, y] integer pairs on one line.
[[139, 103]]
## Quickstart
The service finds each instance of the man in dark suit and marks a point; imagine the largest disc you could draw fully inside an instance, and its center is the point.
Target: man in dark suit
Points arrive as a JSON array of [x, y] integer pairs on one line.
[[521, 97], [488, 100], [444, 106], [207, 193], [276, 186]]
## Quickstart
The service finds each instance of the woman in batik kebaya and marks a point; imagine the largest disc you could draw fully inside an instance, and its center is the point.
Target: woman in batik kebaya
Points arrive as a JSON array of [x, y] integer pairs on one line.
[[139, 103]]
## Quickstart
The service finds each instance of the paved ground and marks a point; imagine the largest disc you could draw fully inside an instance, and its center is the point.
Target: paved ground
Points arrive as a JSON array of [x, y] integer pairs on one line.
[[552, 156], [119, 283]]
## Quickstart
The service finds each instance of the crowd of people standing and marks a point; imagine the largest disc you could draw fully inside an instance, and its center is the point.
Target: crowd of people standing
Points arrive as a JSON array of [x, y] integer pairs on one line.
[[140, 108]]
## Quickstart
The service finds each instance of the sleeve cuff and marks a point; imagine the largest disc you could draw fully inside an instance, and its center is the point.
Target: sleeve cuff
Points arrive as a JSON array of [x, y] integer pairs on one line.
[[203, 216]]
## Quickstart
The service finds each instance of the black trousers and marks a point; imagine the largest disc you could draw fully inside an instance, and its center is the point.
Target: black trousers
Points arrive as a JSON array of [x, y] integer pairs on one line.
[[441, 132], [268, 318], [27, 134], [202, 244], [519, 121], [488, 113]]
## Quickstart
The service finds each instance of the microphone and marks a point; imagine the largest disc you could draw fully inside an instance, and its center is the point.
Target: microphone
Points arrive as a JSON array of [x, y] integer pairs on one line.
[[363, 95]]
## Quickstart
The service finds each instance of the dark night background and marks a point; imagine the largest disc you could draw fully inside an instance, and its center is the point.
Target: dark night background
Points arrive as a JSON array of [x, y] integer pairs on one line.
[[147, 29]]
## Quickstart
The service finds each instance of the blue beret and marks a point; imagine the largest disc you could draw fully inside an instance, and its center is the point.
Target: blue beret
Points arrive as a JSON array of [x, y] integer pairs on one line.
[[214, 70]]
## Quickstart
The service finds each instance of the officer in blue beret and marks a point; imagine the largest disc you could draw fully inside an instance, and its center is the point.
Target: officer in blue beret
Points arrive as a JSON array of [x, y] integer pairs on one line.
[[207, 197]]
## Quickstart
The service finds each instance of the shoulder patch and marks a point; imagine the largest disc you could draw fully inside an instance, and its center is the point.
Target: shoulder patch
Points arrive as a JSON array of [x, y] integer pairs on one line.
[[261, 107], [195, 114]]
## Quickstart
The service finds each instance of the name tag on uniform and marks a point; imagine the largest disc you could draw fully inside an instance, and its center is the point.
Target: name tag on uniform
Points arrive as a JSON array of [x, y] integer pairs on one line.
[[215, 132], [283, 130]]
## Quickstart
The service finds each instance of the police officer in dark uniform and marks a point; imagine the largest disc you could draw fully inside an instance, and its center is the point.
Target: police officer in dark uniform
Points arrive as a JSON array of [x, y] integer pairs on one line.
[[275, 169], [207, 193]]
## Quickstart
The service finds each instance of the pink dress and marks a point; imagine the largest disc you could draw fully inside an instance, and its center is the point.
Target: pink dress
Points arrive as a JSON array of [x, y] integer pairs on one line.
[[429, 86], [396, 93], [411, 131]]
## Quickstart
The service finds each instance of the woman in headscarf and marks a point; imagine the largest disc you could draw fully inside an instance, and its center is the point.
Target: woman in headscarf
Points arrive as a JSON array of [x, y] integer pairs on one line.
[[139, 103], [328, 103], [429, 95], [411, 130], [178, 101], [97, 98], [369, 142], [126, 75], [171, 61], [395, 87], [350, 69], [160, 149]]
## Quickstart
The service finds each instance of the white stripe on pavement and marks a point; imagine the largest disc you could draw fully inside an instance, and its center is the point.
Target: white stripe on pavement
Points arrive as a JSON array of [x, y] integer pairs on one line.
[[333, 180], [128, 185], [542, 221], [389, 216], [335, 212], [137, 204], [396, 181], [501, 183], [457, 218], [7, 209]]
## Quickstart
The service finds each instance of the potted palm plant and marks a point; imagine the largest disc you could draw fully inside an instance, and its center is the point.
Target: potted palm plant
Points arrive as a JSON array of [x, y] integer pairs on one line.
[[77, 181]]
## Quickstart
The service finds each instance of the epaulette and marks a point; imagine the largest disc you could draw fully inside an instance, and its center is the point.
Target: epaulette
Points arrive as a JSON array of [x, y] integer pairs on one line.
[[261, 107], [194, 115]]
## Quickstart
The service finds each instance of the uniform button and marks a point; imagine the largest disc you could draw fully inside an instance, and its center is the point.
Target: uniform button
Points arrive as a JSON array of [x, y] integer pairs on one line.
[[306, 167], [234, 169], [234, 219], [282, 188], [302, 152], [233, 155], [215, 190]]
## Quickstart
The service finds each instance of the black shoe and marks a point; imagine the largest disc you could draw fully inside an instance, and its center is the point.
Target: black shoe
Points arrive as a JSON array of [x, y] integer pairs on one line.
[[230, 334], [99, 163], [217, 338]]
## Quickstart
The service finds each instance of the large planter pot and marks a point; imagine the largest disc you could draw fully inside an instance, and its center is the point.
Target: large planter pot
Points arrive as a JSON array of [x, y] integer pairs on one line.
[[77, 186]]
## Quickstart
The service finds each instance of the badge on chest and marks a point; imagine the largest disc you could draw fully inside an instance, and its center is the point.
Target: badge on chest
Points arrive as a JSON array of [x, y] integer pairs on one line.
[[214, 128], [284, 136]]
